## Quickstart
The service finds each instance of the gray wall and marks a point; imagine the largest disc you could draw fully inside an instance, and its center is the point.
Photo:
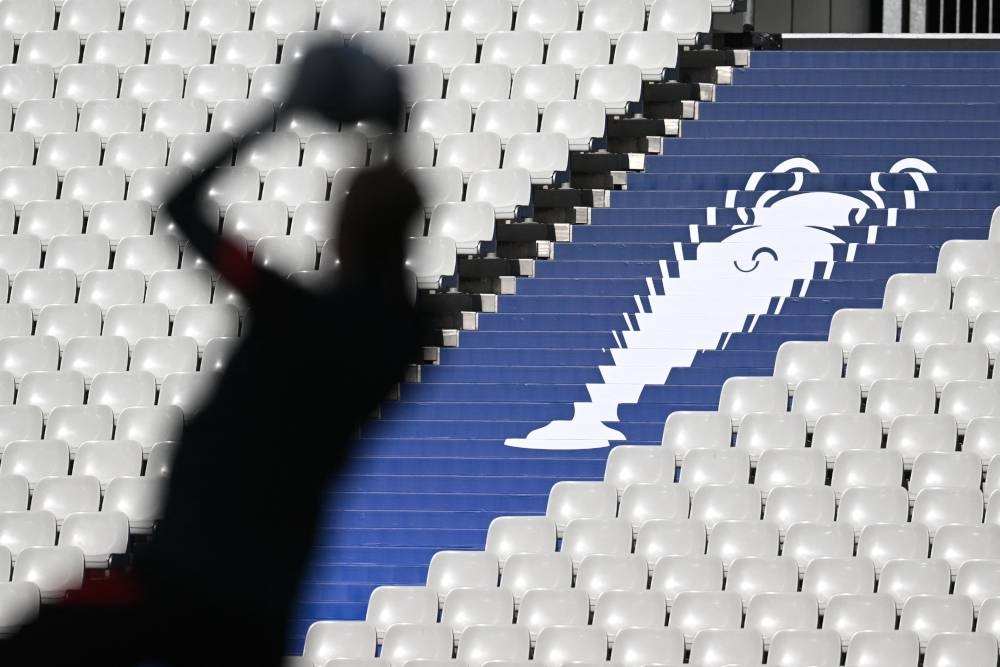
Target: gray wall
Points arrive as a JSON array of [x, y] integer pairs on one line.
[[784, 16]]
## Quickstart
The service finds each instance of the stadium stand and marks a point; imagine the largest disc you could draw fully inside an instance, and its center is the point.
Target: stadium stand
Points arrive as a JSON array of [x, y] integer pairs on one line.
[[776, 299]]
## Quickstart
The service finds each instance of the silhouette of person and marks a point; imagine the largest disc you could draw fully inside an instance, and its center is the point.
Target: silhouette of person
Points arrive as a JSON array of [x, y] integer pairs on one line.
[[217, 583]]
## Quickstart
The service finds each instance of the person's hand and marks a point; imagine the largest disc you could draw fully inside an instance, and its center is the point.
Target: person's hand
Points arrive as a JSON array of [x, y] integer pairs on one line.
[[346, 85]]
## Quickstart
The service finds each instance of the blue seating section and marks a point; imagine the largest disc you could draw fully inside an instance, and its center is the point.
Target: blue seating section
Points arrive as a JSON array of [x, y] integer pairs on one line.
[[433, 472]]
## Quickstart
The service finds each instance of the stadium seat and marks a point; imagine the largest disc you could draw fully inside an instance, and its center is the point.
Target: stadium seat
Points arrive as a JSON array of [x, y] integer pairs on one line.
[[694, 611], [213, 84], [121, 48], [348, 17], [905, 578], [928, 615], [670, 537], [90, 355], [968, 399], [153, 85], [792, 647], [389, 46], [333, 151], [733, 539], [294, 185], [80, 253], [162, 356], [283, 18], [76, 424], [179, 287], [504, 189], [50, 389], [68, 150], [477, 83], [389, 605], [22, 530], [583, 537], [150, 425], [911, 435], [15, 320], [193, 149], [468, 607], [600, 572], [861, 506], [470, 152], [884, 647], [482, 644], [415, 17], [67, 321], [155, 184], [90, 16], [20, 83], [945, 469], [977, 580], [99, 535], [147, 254], [884, 542], [547, 16], [808, 541], [22, 16], [339, 639], [815, 398], [45, 219], [868, 362], [23, 354], [643, 502], [63, 496], [318, 220], [440, 118], [408, 641], [960, 543], [944, 362], [481, 18], [112, 287], [889, 398], [457, 569], [23, 184], [22, 422], [19, 605], [797, 361], [987, 331], [187, 390], [469, 224], [107, 117], [714, 466], [515, 535], [675, 574], [715, 647], [237, 116], [685, 430], [251, 221], [513, 49], [630, 464], [219, 17], [576, 500], [19, 150], [922, 329], [545, 156], [558, 645], [730, 500], [90, 185], [743, 395], [617, 86], [770, 614], [525, 571], [544, 84], [141, 499], [975, 295], [251, 49], [960, 648], [760, 432], [850, 613], [447, 49], [788, 505], [962, 257], [123, 389], [635, 647], [909, 292], [751, 575], [55, 570], [687, 20], [653, 52], [161, 459], [41, 287], [852, 326]]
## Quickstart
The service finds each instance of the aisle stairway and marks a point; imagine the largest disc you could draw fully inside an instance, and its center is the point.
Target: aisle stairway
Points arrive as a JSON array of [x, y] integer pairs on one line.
[[435, 470]]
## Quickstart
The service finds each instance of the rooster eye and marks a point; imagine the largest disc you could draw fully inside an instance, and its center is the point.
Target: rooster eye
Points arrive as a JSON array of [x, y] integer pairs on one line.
[[755, 258]]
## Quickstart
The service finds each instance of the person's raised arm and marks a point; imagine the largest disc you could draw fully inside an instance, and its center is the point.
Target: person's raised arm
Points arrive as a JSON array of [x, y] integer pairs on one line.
[[339, 83]]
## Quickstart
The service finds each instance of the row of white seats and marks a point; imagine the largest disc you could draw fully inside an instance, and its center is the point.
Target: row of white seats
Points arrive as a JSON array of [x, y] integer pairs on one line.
[[678, 558], [98, 461], [505, 189], [653, 51], [99, 534], [157, 355], [177, 130], [138, 498], [118, 389], [617, 85], [727, 643], [636, 647], [150, 426], [75, 159], [414, 17], [887, 398]]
